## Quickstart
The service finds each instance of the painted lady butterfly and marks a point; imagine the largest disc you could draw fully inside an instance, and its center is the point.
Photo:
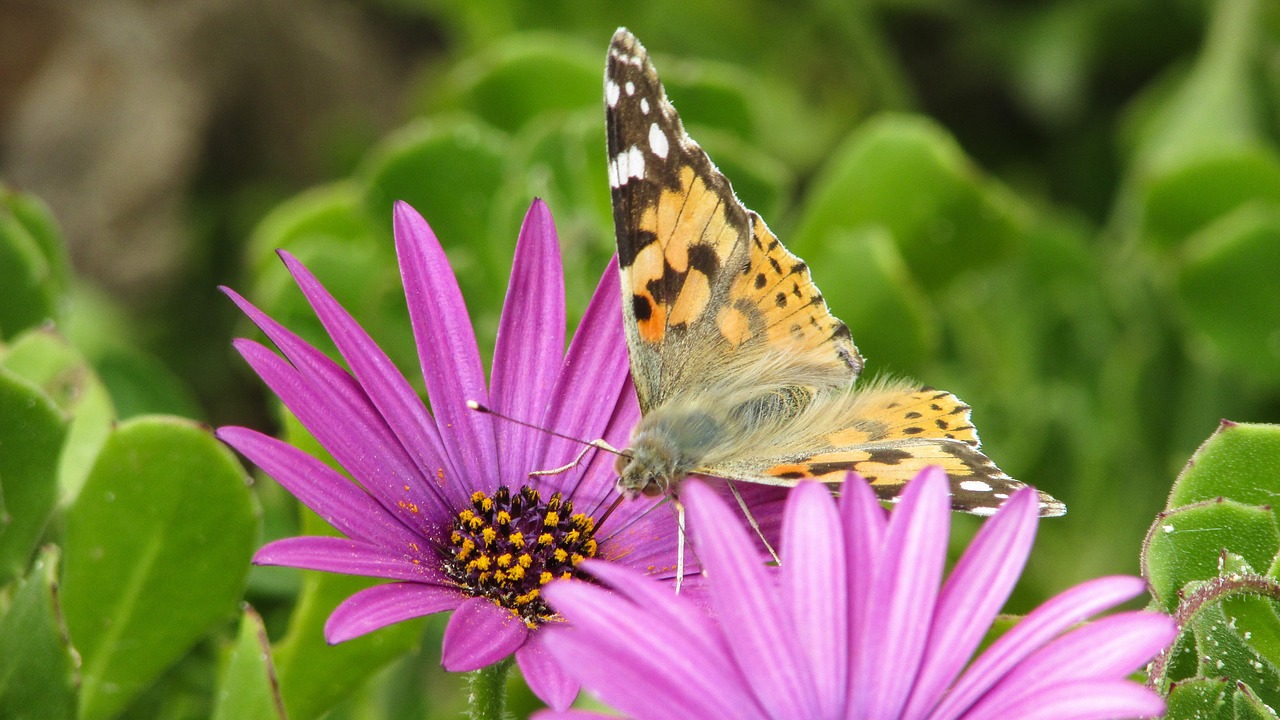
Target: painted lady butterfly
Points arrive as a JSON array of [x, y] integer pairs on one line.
[[741, 370]]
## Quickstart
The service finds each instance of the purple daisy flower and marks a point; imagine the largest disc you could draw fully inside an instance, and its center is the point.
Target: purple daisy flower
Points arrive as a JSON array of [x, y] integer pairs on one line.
[[857, 623], [445, 505]]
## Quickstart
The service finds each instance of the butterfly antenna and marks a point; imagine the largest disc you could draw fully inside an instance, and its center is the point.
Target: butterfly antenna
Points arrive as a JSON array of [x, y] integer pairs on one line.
[[598, 444]]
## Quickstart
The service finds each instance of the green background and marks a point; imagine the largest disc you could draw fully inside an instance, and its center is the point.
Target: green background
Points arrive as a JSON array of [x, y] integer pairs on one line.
[[1067, 213]]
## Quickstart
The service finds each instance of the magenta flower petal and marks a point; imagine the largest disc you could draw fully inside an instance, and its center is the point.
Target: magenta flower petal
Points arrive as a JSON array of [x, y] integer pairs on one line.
[[339, 501], [1082, 700], [349, 557], [444, 501], [651, 655], [1111, 647], [544, 676], [387, 389], [592, 365], [765, 644], [446, 347], [530, 341], [861, 514], [905, 591], [978, 587], [383, 605], [813, 578], [690, 623], [1068, 608], [480, 633], [620, 651], [347, 427]]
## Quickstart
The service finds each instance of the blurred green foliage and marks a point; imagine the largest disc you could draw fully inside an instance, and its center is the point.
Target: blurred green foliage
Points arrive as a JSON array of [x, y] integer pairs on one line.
[[1066, 212]]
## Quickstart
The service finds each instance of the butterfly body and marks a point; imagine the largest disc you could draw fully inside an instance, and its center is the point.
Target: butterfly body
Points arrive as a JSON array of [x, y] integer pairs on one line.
[[741, 370]]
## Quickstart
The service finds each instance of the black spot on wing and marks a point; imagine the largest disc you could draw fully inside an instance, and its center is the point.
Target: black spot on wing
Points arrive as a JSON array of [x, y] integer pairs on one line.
[[629, 247], [641, 308], [703, 258], [889, 456]]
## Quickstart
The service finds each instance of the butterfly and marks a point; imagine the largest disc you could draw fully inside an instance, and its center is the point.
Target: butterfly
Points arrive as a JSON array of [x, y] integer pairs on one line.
[[741, 370]]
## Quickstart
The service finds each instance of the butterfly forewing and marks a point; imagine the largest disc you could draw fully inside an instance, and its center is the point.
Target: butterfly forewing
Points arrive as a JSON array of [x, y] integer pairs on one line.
[[702, 275], [740, 368]]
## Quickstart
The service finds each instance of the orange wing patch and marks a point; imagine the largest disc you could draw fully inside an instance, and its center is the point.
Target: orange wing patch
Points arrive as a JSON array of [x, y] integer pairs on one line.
[[924, 413], [778, 299]]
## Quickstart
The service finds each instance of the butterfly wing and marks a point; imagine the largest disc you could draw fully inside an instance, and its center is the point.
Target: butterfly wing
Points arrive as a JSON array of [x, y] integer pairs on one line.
[[702, 276], [889, 434]]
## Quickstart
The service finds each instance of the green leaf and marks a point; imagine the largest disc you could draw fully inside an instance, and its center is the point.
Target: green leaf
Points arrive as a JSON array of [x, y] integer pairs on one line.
[[1194, 194], [37, 663], [1185, 544], [1226, 282], [28, 290], [1238, 461], [449, 171], [516, 81], [332, 212], [1254, 619], [867, 284], [1249, 706], [314, 676], [248, 688], [140, 384], [1215, 109], [158, 546], [36, 218], [908, 175], [45, 358], [32, 430]]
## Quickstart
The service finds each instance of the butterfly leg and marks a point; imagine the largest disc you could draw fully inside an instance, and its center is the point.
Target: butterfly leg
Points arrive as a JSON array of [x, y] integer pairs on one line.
[[751, 520], [680, 539], [593, 445]]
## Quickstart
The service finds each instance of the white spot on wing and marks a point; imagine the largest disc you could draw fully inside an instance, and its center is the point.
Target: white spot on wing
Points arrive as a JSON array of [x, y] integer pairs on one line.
[[644, 105], [983, 511], [628, 164], [975, 486], [611, 93], [631, 88], [658, 141]]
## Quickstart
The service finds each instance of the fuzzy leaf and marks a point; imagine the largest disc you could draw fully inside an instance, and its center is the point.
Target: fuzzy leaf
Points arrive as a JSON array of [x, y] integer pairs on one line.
[[1185, 544], [1240, 461]]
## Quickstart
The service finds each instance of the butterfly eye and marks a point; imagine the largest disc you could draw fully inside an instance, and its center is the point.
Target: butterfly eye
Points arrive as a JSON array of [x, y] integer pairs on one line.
[[621, 463]]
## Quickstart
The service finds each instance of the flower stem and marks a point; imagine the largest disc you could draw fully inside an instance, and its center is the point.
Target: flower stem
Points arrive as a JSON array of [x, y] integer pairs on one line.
[[487, 699]]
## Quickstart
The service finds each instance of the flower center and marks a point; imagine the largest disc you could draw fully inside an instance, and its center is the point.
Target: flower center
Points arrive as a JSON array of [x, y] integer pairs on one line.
[[506, 547]]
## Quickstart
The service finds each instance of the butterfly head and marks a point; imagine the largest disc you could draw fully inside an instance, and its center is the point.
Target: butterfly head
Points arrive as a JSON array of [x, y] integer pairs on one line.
[[645, 470], [667, 444]]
